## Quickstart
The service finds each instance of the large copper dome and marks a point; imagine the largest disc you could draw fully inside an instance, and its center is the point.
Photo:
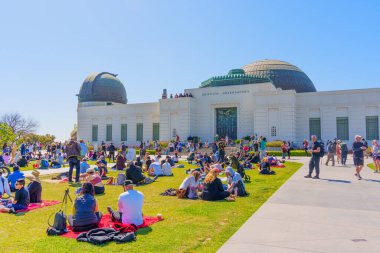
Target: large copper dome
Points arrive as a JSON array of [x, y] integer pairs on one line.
[[102, 87], [282, 74]]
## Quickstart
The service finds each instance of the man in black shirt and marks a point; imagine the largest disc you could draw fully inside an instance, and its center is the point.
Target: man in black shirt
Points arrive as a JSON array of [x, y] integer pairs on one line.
[[21, 200], [315, 157], [358, 148], [134, 173]]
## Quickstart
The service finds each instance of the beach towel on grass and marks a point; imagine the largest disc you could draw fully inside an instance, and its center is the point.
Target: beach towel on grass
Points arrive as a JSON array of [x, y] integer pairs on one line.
[[34, 206], [106, 222]]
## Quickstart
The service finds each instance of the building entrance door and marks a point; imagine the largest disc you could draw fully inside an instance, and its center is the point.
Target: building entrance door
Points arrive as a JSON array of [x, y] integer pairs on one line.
[[226, 122]]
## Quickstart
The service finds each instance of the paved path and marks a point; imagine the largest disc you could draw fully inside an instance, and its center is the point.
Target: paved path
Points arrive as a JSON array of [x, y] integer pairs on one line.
[[335, 214]]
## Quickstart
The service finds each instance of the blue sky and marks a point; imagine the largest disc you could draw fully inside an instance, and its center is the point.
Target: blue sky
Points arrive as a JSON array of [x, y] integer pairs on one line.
[[47, 48]]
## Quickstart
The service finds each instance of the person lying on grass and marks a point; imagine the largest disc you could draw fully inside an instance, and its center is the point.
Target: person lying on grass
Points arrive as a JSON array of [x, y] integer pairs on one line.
[[135, 174], [21, 200], [236, 184], [213, 188], [86, 215], [129, 206], [95, 180], [190, 185]]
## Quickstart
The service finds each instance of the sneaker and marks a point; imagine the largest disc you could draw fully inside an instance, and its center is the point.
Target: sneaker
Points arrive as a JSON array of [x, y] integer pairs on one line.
[[307, 176], [316, 177], [109, 209], [12, 210], [155, 178], [359, 178]]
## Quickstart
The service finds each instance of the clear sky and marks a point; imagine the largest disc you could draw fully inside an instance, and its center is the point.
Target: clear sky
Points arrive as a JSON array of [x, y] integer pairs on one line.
[[47, 48]]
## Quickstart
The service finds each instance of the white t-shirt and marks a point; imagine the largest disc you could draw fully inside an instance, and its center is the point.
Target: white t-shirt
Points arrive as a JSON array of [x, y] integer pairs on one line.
[[156, 168], [130, 205], [167, 169]]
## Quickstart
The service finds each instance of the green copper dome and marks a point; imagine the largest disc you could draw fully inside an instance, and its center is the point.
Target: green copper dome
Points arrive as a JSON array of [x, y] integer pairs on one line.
[[234, 77], [102, 87]]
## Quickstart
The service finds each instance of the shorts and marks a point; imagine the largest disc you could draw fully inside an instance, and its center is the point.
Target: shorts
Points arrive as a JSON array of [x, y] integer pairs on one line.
[[17, 207], [358, 161]]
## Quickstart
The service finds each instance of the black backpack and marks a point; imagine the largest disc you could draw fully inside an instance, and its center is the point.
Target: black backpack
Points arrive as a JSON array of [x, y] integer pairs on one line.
[[322, 150], [59, 225]]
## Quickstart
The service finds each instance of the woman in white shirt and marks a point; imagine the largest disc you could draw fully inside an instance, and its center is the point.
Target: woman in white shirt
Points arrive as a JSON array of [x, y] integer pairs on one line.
[[190, 184]]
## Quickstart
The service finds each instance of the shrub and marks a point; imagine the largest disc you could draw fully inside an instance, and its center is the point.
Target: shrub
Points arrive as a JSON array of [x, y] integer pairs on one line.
[[237, 141], [274, 143], [279, 153], [247, 138]]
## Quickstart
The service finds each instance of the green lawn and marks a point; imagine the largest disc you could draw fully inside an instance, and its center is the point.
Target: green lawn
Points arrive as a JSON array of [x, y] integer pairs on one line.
[[189, 225], [371, 166]]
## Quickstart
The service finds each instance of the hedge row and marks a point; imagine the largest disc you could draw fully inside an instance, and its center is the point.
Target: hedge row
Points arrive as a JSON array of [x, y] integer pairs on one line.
[[279, 153]]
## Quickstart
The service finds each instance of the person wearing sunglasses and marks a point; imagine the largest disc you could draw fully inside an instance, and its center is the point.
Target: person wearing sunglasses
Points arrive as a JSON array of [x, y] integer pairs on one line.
[[21, 200]]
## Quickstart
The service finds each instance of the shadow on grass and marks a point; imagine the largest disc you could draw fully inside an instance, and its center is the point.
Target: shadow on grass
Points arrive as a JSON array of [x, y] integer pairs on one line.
[[144, 231]]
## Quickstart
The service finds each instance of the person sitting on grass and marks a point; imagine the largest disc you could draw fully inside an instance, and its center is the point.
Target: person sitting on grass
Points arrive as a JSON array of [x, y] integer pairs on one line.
[[34, 187], [155, 169], [167, 168], [21, 200], [23, 162], [54, 164], [190, 185], [130, 205], [213, 187], [120, 162], [134, 173], [235, 183], [95, 180], [101, 168], [13, 177], [84, 166], [4, 186], [265, 167], [86, 215]]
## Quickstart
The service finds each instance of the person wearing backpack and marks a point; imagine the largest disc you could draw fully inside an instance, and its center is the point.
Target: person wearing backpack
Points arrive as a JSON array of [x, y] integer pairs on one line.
[[330, 153], [315, 158], [344, 151]]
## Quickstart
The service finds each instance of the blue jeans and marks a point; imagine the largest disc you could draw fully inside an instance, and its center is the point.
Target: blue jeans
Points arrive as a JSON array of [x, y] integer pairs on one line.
[[314, 163]]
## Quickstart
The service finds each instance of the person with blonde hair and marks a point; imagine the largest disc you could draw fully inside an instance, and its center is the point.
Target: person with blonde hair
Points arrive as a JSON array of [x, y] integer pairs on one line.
[[376, 155], [213, 187]]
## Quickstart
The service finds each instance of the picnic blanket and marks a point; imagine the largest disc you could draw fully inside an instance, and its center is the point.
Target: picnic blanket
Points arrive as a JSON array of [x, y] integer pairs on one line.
[[34, 206], [106, 222]]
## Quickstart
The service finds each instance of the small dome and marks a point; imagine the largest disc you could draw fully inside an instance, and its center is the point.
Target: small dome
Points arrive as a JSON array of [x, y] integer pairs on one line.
[[283, 75], [102, 87]]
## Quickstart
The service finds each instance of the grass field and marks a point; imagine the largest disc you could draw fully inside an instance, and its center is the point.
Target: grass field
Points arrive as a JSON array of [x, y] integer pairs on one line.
[[189, 225]]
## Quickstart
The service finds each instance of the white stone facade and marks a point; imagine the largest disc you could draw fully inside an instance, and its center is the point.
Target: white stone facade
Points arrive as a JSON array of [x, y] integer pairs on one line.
[[261, 109]]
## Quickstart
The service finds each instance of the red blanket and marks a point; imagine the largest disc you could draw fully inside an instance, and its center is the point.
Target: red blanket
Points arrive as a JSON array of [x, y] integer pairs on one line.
[[39, 205], [106, 222]]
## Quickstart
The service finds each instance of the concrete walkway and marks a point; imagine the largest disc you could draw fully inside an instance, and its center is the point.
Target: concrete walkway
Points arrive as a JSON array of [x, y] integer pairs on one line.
[[335, 214]]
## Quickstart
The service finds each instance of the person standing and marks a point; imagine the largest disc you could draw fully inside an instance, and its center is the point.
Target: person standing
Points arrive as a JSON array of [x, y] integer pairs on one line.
[[306, 147], [73, 153], [376, 156], [344, 151], [358, 148], [263, 147], [330, 153], [83, 149], [284, 149], [221, 147], [315, 158]]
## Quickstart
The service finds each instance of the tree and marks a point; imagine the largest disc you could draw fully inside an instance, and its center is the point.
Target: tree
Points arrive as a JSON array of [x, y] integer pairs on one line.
[[6, 134], [33, 138], [19, 125]]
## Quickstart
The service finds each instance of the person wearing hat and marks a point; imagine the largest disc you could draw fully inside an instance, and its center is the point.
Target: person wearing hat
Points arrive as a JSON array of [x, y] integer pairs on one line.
[[130, 205], [95, 180], [358, 148], [34, 187]]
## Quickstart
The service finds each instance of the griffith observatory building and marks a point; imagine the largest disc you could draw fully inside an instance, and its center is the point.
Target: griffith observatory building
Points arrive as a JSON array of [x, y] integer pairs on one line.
[[267, 97]]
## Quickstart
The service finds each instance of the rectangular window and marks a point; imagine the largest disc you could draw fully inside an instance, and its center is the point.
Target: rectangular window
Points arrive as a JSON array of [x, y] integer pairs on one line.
[[139, 132], [315, 127], [342, 132], [109, 133], [94, 132], [123, 134], [156, 131], [372, 127]]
